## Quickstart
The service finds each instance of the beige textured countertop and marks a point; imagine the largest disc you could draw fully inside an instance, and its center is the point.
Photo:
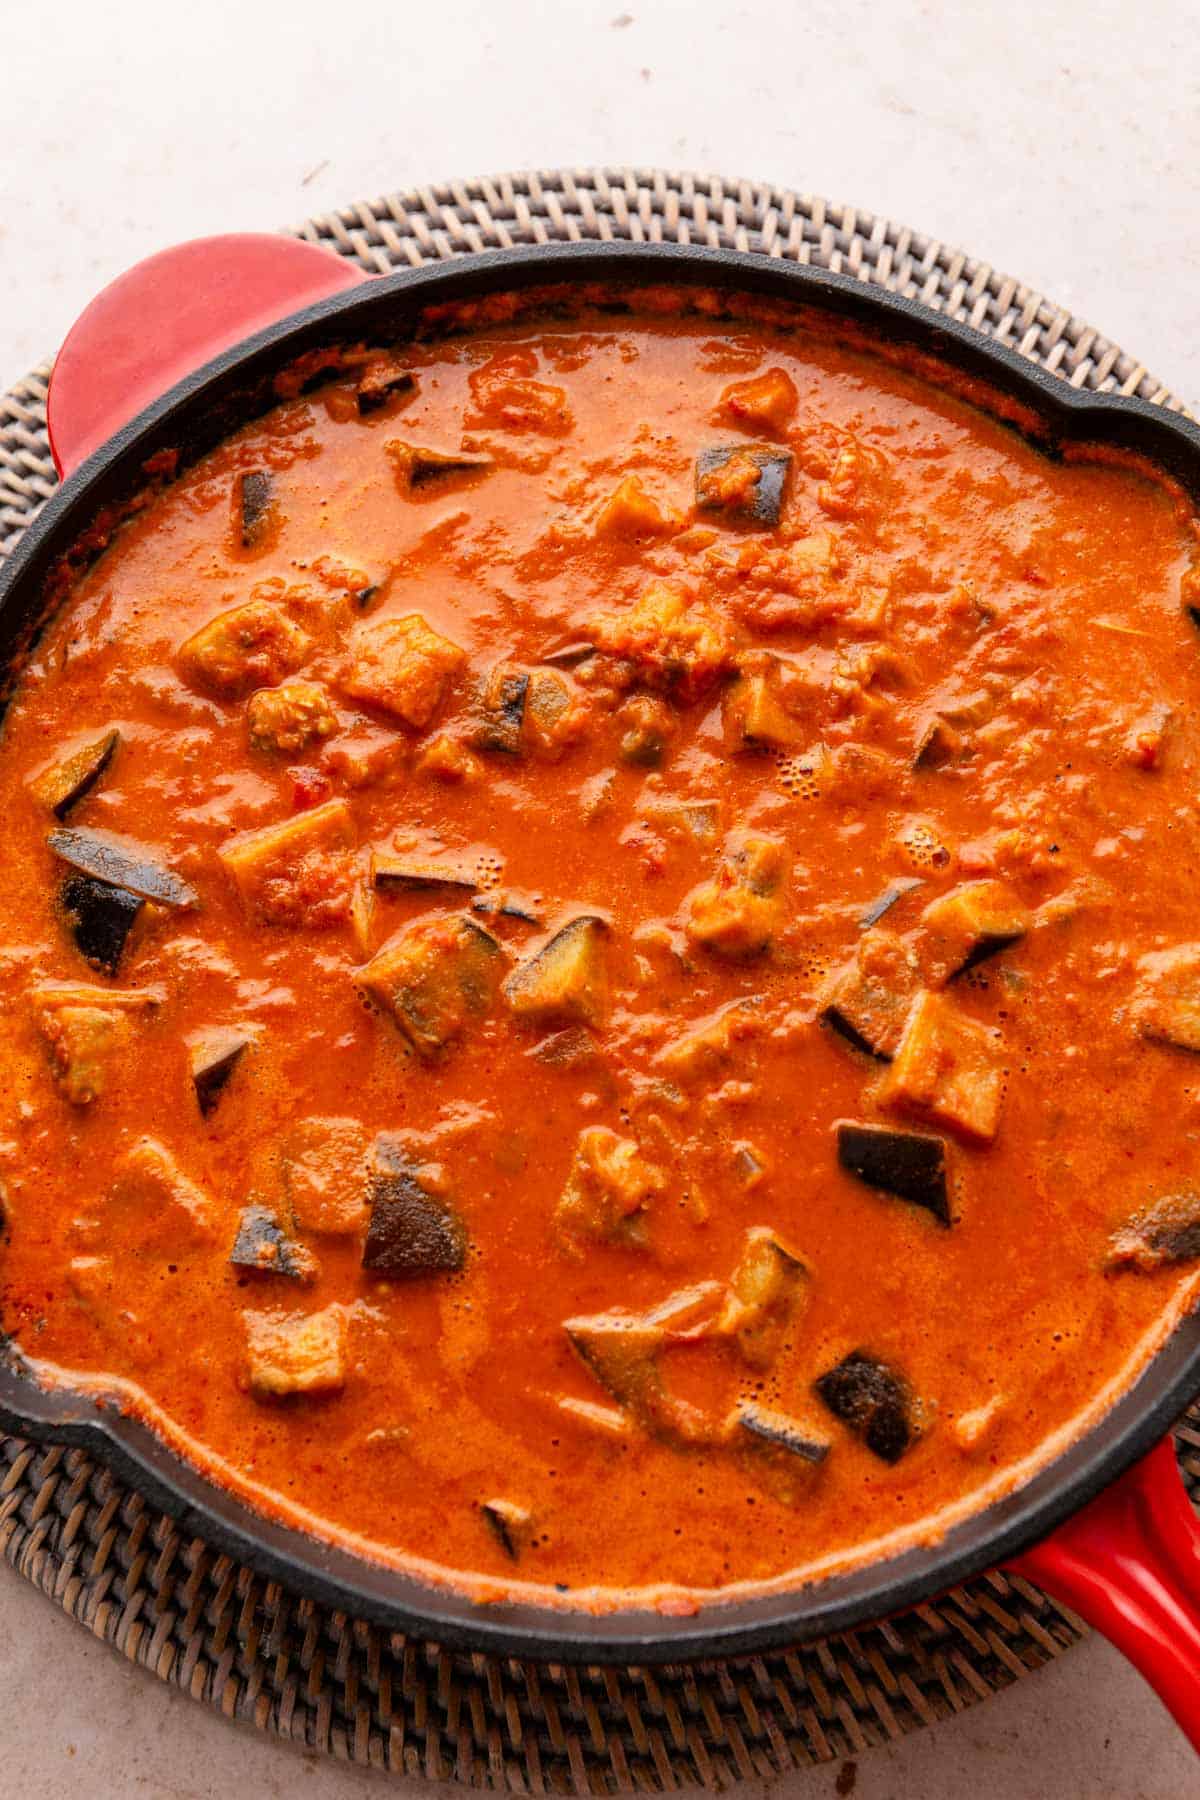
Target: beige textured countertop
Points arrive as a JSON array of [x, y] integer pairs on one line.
[[1061, 141]]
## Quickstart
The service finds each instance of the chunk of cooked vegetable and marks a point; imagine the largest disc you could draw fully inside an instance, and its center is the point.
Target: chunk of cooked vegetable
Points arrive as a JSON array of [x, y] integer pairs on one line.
[[967, 925], [766, 1290], [121, 863], [418, 467], [784, 1452], [671, 638], [567, 977], [891, 896], [262, 1247], [255, 509], [766, 401], [948, 1067], [413, 1231], [214, 1055], [1164, 1232], [502, 705], [396, 872], [631, 513], [511, 1525], [869, 1396], [621, 1350], [86, 1030], [68, 780], [905, 1163], [744, 482], [250, 646], [867, 1001], [738, 912], [296, 1353], [710, 1045], [297, 872], [161, 1210], [433, 978], [755, 716], [608, 1190], [1166, 1004], [101, 918], [554, 714], [647, 727], [402, 666], [290, 717], [699, 820], [326, 1176], [383, 379], [938, 743]]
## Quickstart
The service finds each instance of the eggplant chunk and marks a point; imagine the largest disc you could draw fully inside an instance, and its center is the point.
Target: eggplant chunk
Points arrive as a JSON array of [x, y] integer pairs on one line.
[[1164, 1232], [607, 1192], [509, 1524], [275, 867], [891, 896], [300, 1353], [398, 874], [381, 381], [509, 904], [249, 646], [755, 717], [745, 482], [154, 1206], [262, 1245], [737, 913], [86, 1029], [698, 820], [1166, 1005], [867, 1002], [412, 1230], [101, 917], [874, 1401], [963, 927], [783, 1452], [620, 1350], [905, 1163], [401, 666], [502, 705], [65, 783], [949, 1068], [766, 1291], [122, 864], [712, 1043], [214, 1056], [781, 1433], [567, 978], [419, 467], [938, 743], [434, 977], [648, 725], [254, 506]]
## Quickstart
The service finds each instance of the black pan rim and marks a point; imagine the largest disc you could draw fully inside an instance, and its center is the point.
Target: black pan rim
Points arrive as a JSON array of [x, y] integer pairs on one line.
[[337, 1577]]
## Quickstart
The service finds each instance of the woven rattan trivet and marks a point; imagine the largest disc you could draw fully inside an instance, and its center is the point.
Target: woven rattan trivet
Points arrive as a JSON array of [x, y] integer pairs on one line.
[[333, 1684]]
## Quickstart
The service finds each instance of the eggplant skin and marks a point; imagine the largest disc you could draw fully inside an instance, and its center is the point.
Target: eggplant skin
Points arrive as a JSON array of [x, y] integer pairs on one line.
[[762, 503], [263, 1247], [778, 1432], [98, 854], [214, 1058], [868, 1396], [101, 917], [412, 1232], [1165, 1232], [255, 491], [65, 784], [909, 1164]]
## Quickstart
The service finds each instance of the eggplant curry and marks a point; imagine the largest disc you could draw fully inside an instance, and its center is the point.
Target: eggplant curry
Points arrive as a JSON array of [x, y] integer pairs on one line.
[[600, 967]]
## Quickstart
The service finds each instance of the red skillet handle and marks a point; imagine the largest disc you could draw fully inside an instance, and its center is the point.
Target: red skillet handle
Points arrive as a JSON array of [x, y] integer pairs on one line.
[[1129, 1563], [168, 316]]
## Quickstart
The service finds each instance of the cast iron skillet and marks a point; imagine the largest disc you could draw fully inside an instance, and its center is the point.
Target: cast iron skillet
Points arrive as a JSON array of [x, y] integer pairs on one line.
[[188, 342]]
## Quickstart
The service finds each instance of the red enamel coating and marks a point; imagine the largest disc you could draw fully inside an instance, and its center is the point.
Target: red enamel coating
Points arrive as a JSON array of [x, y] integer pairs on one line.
[[168, 316], [1129, 1563]]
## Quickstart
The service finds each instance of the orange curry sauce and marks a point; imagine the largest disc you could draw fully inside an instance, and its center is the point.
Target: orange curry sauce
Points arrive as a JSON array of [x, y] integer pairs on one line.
[[551, 1002]]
